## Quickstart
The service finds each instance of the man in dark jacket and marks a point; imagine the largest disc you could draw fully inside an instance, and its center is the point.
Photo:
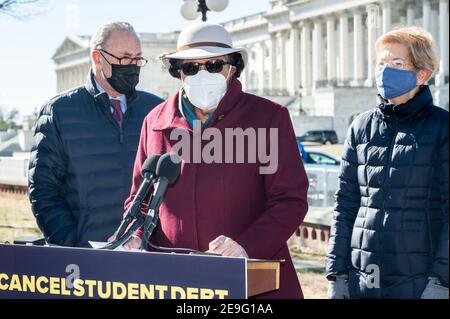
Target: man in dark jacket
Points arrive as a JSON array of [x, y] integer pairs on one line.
[[86, 141]]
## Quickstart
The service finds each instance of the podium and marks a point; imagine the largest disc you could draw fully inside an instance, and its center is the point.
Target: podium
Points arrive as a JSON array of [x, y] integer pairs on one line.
[[262, 276], [37, 272]]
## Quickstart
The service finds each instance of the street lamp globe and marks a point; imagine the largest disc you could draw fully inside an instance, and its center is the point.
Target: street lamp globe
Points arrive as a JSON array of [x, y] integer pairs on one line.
[[217, 5], [189, 9]]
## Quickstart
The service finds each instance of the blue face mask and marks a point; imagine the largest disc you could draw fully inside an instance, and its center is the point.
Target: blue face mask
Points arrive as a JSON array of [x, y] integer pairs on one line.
[[392, 82]]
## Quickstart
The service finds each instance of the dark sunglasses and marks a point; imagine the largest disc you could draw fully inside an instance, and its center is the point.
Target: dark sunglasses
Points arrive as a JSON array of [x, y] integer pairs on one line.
[[212, 66]]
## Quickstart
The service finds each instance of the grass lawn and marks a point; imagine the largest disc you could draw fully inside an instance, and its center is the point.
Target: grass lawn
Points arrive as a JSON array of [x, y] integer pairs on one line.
[[314, 284], [313, 281], [16, 218]]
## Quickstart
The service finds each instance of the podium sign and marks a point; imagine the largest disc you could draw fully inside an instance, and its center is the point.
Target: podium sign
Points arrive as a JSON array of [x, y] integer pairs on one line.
[[58, 272]]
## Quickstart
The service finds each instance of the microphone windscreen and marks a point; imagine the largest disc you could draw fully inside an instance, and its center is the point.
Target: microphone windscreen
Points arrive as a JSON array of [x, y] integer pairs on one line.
[[169, 166], [150, 165]]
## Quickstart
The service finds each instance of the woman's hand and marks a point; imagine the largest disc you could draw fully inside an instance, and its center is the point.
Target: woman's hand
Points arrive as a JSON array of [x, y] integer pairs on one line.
[[338, 289], [434, 290], [226, 247]]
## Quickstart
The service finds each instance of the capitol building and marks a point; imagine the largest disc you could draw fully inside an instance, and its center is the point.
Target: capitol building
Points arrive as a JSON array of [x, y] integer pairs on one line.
[[316, 57]]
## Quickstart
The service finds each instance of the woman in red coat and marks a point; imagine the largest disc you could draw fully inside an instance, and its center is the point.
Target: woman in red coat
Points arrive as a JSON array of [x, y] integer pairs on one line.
[[220, 202]]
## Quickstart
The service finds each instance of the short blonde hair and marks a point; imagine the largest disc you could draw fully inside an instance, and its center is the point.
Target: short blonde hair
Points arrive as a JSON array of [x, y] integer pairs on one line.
[[422, 48]]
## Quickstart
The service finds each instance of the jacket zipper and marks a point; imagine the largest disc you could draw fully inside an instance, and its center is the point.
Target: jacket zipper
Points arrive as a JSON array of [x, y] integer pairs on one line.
[[387, 185]]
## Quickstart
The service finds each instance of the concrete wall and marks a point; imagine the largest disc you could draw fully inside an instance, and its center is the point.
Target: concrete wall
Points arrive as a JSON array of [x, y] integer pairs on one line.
[[14, 171], [26, 140], [4, 136], [311, 238]]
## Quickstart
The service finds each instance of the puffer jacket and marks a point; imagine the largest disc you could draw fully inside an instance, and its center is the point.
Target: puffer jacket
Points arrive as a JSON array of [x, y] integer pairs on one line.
[[81, 164], [390, 229]]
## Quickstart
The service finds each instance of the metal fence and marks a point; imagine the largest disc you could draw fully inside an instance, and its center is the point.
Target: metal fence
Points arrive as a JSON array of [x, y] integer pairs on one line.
[[323, 183]]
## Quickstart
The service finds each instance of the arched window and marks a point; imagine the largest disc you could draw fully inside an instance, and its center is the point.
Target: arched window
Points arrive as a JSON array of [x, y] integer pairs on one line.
[[323, 237], [305, 233]]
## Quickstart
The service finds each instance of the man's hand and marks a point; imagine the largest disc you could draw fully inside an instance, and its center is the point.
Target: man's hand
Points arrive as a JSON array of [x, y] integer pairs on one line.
[[226, 247], [133, 243], [110, 239]]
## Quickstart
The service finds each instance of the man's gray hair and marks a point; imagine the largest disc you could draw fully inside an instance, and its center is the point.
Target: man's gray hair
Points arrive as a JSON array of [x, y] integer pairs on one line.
[[104, 32]]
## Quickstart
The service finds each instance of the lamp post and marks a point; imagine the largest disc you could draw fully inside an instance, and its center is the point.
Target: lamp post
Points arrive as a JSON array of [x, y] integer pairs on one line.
[[191, 8]]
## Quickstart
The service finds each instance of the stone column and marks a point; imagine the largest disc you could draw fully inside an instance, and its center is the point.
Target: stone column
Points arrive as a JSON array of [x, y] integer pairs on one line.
[[344, 56], [331, 50], [387, 15], [306, 57], [434, 23], [262, 68], [247, 69], [80, 76], [58, 81], [75, 76], [444, 48], [69, 73], [410, 13], [426, 9], [317, 52], [443, 35], [273, 64], [283, 76], [358, 48], [372, 25], [294, 80], [65, 79]]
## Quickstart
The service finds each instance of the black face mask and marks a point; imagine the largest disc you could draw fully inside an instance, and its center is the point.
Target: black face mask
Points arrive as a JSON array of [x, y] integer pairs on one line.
[[124, 78]]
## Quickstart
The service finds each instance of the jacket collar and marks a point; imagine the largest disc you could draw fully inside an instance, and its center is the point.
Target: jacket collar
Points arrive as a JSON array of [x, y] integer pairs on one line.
[[169, 116], [102, 97], [409, 110]]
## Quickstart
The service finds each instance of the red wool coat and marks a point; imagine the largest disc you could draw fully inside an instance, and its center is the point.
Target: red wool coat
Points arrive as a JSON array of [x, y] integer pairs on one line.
[[260, 212]]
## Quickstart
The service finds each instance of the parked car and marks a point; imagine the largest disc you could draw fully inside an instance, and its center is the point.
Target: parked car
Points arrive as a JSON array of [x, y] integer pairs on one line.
[[323, 171], [323, 137], [320, 158]]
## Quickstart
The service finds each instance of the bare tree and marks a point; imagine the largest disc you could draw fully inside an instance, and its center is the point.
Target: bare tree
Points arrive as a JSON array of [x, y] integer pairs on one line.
[[21, 9], [8, 119]]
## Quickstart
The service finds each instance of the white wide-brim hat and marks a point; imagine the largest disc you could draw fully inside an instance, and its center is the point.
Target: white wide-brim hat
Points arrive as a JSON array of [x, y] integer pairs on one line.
[[202, 41]]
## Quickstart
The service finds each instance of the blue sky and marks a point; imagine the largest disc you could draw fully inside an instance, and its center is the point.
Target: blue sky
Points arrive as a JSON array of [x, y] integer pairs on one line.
[[27, 75]]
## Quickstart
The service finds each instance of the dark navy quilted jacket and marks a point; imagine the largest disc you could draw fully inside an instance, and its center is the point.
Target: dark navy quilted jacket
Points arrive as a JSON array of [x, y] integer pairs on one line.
[[390, 229], [82, 162]]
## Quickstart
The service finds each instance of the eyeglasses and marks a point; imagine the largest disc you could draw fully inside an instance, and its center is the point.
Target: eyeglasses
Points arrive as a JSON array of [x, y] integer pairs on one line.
[[399, 64], [125, 61], [212, 66]]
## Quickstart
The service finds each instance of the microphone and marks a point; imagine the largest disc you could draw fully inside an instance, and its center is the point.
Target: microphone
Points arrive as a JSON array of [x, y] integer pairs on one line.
[[167, 170], [149, 173]]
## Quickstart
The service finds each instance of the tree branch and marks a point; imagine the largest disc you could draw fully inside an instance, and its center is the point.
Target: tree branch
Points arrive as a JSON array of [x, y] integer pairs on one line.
[[20, 9]]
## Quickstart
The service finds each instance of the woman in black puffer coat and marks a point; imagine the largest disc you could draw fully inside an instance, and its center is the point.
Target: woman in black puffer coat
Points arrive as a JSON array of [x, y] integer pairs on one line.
[[389, 237]]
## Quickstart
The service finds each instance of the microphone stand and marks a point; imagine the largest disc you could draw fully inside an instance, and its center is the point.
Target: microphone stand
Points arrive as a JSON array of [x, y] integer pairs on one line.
[[125, 237], [149, 231], [134, 210]]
